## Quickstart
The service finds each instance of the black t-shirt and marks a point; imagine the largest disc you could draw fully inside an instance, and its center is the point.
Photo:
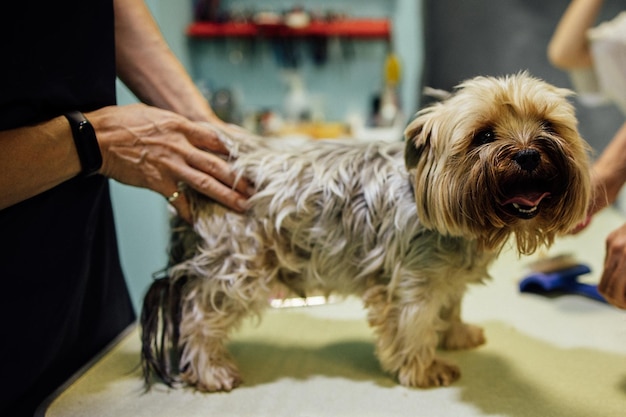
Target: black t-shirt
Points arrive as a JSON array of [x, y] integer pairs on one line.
[[62, 296]]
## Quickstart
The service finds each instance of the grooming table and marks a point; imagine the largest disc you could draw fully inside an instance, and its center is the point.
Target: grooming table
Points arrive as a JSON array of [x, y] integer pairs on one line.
[[557, 357]]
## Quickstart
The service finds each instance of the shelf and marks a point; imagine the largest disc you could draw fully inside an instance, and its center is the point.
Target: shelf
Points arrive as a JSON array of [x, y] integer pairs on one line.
[[357, 28]]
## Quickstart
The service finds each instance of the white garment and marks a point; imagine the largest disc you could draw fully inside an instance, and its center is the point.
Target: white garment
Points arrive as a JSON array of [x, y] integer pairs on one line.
[[607, 80]]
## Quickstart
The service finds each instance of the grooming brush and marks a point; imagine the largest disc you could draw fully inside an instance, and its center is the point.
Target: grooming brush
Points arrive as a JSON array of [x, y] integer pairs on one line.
[[559, 275]]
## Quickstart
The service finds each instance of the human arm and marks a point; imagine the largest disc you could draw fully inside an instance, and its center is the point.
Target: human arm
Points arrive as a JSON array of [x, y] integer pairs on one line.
[[609, 172], [149, 68], [146, 64], [608, 175], [50, 146], [141, 145], [569, 48]]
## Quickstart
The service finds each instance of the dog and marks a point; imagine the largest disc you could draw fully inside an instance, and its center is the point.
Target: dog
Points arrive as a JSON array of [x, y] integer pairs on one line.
[[406, 226]]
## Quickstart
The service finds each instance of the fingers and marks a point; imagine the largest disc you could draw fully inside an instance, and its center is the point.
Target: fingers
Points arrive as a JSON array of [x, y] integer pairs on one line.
[[206, 137], [178, 200], [211, 174], [216, 168], [202, 165], [213, 189], [600, 199], [208, 175], [582, 225], [613, 290], [613, 281], [217, 190]]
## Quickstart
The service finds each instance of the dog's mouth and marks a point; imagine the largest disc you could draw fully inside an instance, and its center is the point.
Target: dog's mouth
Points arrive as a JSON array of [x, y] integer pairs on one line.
[[525, 205]]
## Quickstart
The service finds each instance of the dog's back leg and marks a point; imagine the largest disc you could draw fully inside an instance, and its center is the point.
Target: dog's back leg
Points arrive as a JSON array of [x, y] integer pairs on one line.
[[212, 308]]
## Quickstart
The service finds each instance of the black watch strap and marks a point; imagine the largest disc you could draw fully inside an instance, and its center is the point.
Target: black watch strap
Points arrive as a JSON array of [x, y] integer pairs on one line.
[[86, 143]]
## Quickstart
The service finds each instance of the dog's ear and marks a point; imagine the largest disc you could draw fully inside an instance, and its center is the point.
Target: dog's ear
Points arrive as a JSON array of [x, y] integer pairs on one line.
[[417, 142]]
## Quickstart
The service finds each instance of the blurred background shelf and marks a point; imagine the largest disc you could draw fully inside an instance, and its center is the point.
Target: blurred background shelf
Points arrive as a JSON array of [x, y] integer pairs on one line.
[[356, 28]]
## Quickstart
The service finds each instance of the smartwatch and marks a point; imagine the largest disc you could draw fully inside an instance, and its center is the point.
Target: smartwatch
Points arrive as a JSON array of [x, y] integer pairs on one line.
[[86, 143]]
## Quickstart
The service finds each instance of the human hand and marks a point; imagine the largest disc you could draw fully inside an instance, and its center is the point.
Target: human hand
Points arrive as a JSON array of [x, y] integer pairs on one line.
[[152, 148], [613, 281], [600, 199]]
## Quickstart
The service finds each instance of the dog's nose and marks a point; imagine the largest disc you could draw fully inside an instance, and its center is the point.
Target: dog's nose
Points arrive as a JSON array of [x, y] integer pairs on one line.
[[527, 159]]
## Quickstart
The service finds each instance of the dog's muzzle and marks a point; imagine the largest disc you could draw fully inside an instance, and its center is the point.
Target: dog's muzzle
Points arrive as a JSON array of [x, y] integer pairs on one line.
[[525, 205], [523, 196]]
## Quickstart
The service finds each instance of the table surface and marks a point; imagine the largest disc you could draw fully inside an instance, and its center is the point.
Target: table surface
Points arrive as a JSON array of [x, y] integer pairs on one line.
[[545, 356]]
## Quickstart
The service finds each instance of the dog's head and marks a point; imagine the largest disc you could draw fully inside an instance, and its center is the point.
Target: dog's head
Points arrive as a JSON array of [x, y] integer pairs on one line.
[[500, 156]]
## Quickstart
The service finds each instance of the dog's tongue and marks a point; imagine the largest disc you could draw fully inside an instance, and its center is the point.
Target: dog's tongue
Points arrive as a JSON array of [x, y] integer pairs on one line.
[[530, 199]]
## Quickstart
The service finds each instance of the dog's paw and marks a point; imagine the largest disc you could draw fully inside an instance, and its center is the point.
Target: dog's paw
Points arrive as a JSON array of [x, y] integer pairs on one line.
[[213, 378], [440, 373], [462, 336]]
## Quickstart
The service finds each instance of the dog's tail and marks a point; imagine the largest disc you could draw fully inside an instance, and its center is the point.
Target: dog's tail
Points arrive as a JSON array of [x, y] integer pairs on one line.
[[160, 323]]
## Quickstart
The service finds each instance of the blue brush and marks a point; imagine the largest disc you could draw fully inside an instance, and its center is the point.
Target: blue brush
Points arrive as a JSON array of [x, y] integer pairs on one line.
[[546, 279]]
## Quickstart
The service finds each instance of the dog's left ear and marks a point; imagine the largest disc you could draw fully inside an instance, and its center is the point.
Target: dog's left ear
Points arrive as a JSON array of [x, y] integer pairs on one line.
[[417, 142]]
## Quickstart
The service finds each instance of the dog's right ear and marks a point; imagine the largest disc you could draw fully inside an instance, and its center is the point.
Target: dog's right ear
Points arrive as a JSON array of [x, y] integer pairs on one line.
[[417, 142]]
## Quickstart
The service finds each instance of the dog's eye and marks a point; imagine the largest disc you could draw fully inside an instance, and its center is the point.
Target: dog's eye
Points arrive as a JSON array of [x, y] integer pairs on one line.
[[484, 136], [548, 127]]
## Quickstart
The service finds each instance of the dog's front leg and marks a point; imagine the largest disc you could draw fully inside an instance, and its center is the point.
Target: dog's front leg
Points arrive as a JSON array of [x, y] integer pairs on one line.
[[408, 335], [459, 335]]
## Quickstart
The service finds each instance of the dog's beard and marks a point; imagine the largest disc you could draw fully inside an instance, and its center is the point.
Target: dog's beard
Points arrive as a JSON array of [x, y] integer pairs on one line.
[[486, 169]]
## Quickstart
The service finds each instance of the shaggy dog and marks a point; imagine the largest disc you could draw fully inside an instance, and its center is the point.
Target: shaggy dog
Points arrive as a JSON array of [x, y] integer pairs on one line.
[[405, 226]]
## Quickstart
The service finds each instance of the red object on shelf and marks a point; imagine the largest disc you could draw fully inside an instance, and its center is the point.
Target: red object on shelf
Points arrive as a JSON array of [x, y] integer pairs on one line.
[[360, 28]]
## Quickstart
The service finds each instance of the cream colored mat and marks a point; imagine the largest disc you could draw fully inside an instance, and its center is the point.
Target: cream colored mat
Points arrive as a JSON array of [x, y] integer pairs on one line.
[[561, 357]]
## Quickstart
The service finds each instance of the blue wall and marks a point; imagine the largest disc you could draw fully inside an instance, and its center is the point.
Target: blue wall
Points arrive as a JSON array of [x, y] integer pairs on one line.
[[345, 85]]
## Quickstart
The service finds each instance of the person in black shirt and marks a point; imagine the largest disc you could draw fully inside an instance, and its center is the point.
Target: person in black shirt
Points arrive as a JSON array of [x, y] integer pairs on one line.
[[62, 136]]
